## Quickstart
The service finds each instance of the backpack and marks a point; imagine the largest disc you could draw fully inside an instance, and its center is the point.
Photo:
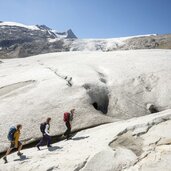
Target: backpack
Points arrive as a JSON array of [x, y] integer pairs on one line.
[[42, 127], [11, 133], [68, 117]]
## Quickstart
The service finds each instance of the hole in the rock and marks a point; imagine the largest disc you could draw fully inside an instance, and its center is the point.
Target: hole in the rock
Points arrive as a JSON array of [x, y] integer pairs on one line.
[[95, 105], [100, 101], [152, 108], [99, 97]]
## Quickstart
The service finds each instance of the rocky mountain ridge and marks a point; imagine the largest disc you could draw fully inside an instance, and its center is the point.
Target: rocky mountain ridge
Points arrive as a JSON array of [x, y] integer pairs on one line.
[[18, 40]]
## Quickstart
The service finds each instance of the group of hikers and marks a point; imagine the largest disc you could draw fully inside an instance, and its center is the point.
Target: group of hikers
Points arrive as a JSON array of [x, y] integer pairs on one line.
[[14, 134]]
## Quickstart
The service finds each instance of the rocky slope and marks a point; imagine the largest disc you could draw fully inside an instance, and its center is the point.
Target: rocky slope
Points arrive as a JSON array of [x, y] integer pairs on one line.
[[138, 144], [103, 87], [18, 40]]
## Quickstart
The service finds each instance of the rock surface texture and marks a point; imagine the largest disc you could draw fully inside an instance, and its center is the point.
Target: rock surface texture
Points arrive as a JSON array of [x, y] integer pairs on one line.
[[138, 144], [105, 87]]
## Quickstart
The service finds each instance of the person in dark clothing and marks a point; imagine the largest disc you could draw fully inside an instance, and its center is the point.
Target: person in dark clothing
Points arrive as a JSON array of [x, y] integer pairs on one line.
[[46, 139], [68, 117], [68, 131]]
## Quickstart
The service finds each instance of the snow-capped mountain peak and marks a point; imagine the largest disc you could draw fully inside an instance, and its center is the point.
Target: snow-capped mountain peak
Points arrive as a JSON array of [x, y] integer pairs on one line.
[[53, 33], [15, 24]]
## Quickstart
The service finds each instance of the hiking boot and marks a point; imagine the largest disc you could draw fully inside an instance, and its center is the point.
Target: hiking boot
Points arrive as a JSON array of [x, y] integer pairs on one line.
[[38, 147], [5, 160], [63, 136], [19, 154], [69, 138], [49, 146]]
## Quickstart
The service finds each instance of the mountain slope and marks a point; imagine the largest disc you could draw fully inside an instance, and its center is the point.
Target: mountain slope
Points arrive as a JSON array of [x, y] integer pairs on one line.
[[18, 40]]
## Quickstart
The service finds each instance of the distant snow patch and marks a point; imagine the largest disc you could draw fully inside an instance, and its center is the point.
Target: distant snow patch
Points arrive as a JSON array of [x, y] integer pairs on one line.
[[32, 27]]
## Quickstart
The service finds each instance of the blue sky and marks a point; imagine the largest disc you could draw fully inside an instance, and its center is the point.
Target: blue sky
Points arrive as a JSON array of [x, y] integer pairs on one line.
[[92, 18]]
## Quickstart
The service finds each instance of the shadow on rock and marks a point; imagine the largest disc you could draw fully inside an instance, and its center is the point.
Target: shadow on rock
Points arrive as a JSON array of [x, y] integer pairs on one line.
[[80, 138], [22, 158], [54, 148]]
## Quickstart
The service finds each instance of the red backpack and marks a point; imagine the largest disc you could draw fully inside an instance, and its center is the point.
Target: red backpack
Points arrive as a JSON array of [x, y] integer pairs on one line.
[[66, 116]]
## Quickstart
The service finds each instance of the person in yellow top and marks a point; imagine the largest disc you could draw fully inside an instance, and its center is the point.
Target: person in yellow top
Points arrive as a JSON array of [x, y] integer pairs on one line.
[[15, 143]]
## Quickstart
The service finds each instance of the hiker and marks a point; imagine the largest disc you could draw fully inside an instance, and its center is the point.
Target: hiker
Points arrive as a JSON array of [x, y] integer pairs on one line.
[[13, 137], [46, 139], [68, 117]]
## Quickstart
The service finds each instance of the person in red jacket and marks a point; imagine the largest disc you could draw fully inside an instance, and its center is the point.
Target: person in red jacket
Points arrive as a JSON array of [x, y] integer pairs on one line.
[[68, 117]]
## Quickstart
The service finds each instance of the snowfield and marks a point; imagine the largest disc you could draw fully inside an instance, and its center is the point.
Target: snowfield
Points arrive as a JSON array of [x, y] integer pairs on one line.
[[103, 87], [32, 27]]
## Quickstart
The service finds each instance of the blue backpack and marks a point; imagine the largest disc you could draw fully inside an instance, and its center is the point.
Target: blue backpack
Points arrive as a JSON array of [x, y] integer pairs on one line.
[[11, 133]]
